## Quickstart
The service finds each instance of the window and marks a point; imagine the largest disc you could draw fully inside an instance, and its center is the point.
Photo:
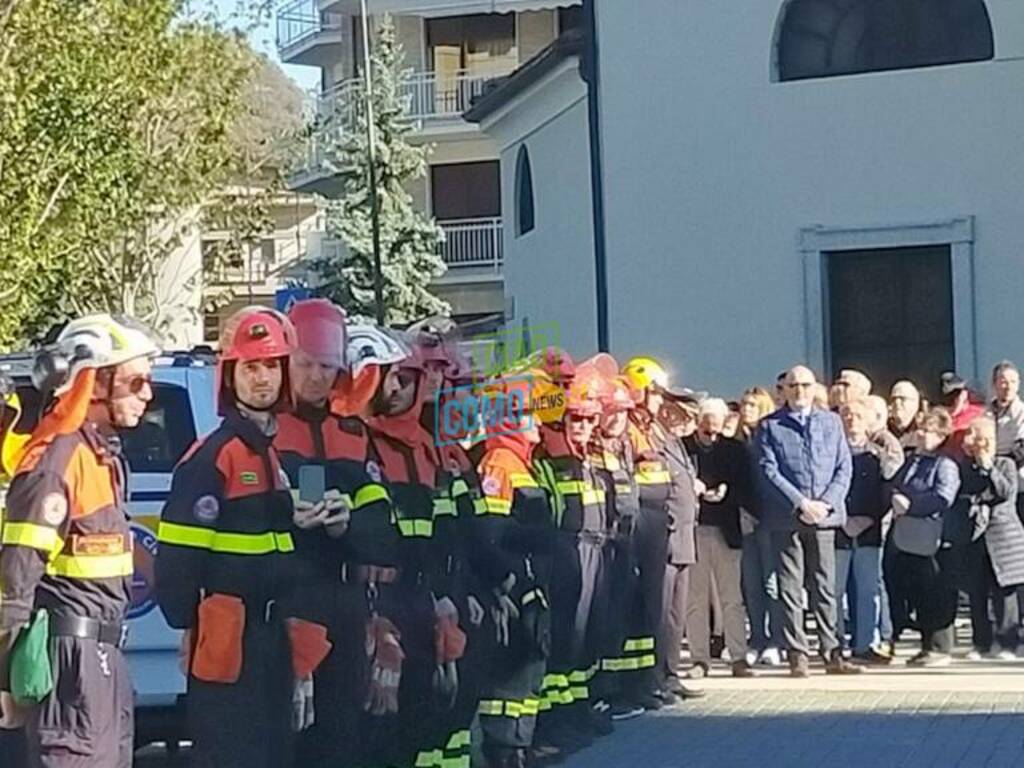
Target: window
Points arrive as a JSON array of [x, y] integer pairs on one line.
[[827, 38], [477, 42], [165, 433], [211, 327], [524, 193], [466, 190]]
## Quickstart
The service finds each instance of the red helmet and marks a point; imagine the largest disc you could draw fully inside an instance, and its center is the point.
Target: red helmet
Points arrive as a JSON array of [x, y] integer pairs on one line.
[[619, 396], [583, 395], [253, 333], [320, 331], [557, 364]]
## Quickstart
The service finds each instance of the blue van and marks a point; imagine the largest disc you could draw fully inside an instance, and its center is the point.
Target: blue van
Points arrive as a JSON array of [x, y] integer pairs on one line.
[[183, 409]]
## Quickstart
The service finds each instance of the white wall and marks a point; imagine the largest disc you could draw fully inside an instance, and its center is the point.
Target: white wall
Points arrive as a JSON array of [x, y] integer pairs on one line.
[[549, 272], [711, 170]]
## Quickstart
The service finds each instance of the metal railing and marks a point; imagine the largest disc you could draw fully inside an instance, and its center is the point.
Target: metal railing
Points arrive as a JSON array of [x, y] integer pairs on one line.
[[302, 19], [472, 243], [436, 95]]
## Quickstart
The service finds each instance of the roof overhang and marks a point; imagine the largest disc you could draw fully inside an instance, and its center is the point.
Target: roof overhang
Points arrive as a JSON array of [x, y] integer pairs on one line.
[[444, 7]]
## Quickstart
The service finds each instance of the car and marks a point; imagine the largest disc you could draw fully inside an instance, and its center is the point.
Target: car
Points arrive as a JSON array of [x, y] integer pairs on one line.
[[183, 410]]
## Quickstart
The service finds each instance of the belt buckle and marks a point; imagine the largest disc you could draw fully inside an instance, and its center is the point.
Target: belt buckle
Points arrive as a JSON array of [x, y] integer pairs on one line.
[[268, 611]]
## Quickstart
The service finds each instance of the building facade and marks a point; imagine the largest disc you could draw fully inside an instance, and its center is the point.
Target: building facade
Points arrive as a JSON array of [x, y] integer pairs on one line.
[[453, 49], [831, 181]]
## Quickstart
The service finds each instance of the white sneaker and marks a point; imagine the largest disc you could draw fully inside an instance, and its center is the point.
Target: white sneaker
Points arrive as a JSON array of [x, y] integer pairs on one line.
[[751, 658], [1006, 655], [973, 655], [726, 656], [771, 657]]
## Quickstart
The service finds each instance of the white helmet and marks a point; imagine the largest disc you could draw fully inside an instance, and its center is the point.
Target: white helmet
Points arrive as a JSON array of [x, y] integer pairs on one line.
[[94, 341], [370, 345]]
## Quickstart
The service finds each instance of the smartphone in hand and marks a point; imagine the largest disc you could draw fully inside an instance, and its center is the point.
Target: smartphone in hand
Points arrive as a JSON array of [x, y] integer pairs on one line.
[[312, 483]]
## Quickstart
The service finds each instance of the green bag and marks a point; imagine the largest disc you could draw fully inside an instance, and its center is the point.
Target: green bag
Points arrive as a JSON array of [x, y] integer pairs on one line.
[[31, 675]]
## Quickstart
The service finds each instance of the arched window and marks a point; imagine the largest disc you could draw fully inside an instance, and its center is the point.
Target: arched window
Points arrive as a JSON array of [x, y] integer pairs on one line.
[[524, 193], [826, 38]]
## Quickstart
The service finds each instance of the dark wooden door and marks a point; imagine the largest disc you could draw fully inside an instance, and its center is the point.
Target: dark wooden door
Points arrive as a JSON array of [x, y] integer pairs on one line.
[[890, 314]]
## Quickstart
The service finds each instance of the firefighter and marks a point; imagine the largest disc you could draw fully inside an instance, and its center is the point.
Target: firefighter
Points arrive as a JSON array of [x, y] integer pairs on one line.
[[580, 519], [226, 561], [410, 465], [654, 483], [311, 437], [67, 547], [517, 521]]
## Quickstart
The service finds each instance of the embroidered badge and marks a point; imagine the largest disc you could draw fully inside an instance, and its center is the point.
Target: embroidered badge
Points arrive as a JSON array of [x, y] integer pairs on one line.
[[249, 478], [206, 509], [373, 470], [54, 508], [98, 544], [491, 485]]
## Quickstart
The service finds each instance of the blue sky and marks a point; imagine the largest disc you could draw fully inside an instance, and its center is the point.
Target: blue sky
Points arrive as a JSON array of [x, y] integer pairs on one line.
[[262, 39]]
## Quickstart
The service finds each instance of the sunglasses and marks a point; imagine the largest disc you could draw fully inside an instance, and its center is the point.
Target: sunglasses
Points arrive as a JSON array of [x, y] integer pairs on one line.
[[135, 385]]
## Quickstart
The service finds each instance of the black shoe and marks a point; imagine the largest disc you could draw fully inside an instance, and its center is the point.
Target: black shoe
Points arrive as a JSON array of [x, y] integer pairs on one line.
[[600, 719], [678, 689], [622, 710], [799, 666], [837, 665]]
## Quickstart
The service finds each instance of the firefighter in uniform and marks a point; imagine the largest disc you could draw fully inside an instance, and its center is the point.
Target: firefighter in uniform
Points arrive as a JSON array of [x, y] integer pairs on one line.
[[580, 519], [410, 465], [312, 436], [517, 521], [654, 483], [66, 546], [226, 561], [627, 650]]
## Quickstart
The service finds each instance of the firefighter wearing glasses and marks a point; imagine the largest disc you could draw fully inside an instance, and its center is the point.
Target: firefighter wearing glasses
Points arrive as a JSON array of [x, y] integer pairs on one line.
[[226, 561], [66, 557]]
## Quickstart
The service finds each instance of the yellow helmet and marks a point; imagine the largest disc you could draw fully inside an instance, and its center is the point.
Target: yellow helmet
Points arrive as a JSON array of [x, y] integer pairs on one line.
[[645, 372], [11, 442]]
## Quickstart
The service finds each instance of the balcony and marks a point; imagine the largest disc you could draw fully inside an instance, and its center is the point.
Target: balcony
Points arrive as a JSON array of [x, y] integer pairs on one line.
[[434, 103], [306, 35], [472, 244]]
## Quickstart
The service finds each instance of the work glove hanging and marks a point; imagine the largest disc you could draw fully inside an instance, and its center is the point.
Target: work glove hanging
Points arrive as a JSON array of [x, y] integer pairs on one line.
[[303, 714], [384, 650], [446, 683]]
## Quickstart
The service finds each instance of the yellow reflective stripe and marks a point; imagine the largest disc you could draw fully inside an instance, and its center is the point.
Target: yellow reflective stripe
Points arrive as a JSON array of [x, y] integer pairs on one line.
[[623, 488], [223, 542], [370, 494], [639, 644], [645, 662], [458, 740], [92, 566], [459, 487], [444, 507], [491, 708], [495, 506], [31, 535], [593, 496], [653, 477], [557, 697], [522, 480], [583, 675], [555, 681], [579, 693], [416, 528], [480, 506], [571, 487], [514, 709], [462, 761], [429, 758]]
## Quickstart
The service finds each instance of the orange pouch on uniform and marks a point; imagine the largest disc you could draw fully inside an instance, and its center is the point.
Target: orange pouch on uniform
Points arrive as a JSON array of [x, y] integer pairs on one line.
[[449, 640], [310, 646], [217, 657]]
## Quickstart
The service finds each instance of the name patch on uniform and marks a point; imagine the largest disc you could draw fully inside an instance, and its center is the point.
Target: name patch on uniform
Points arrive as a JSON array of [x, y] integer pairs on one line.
[[249, 478], [98, 544], [206, 509]]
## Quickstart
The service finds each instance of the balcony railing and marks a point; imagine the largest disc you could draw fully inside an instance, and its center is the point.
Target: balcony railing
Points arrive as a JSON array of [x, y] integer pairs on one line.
[[435, 95], [472, 243], [302, 19]]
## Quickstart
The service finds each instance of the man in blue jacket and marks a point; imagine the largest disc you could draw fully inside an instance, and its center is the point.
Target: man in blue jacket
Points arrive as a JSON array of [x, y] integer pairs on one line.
[[805, 471]]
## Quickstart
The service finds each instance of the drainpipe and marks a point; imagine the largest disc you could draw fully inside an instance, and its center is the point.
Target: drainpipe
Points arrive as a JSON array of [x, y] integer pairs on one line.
[[590, 70]]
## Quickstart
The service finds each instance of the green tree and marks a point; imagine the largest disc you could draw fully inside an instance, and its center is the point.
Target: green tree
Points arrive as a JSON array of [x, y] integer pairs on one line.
[[409, 239], [120, 121]]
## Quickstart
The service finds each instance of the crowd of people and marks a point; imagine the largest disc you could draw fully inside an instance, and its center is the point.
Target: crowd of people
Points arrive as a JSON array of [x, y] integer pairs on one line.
[[355, 591]]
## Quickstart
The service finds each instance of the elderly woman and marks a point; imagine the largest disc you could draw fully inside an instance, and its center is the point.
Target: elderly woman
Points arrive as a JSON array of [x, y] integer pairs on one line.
[[994, 541], [760, 583], [925, 539], [859, 542], [905, 408]]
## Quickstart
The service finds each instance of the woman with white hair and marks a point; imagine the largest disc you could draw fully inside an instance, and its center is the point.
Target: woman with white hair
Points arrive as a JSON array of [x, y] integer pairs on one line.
[[723, 471]]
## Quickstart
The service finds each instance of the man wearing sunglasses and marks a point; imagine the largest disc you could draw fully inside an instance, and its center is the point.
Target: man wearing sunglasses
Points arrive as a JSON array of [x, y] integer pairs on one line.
[[66, 554]]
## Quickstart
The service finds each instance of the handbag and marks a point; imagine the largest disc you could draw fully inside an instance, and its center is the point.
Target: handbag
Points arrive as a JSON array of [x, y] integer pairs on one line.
[[921, 536]]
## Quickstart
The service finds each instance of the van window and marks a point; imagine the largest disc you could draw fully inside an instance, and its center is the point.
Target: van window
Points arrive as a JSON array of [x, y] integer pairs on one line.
[[166, 432]]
